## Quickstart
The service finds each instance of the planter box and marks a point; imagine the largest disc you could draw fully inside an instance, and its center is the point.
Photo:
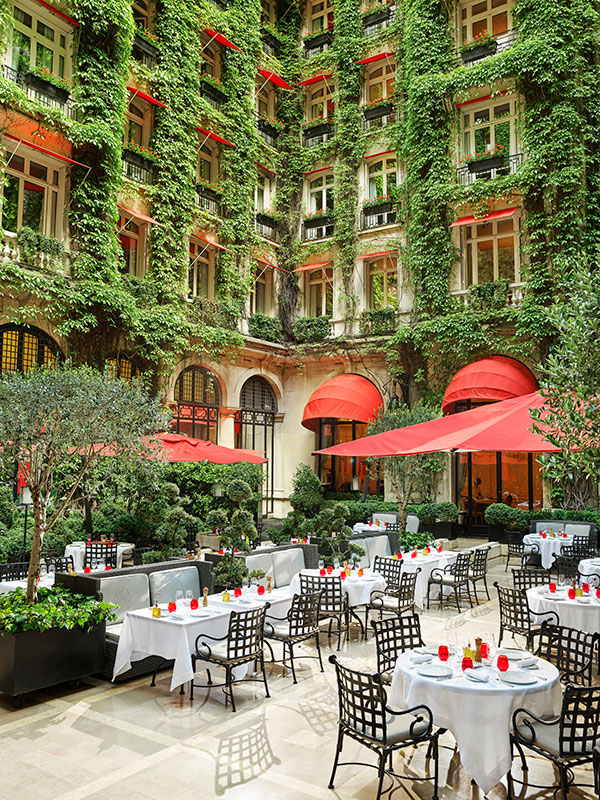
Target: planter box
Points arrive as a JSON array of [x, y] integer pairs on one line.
[[380, 208], [45, 87], [137, 158], [32, 660], [269, 129], [265, 219], [326, 37], [318, 222], [211, 91], [441, 530], [486, 164], [377, 16], [210, 194], [147, 48], [272, 41], [476, 53], [378, 111], [497, 533], [317, 130]]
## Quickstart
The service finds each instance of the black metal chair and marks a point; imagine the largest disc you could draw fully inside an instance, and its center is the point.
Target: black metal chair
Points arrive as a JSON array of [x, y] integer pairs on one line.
[[524, 579], [60, 563], [454, 576], [365, 717], [138, 554], [334, 601], [516, 549], [398, 603], [478, 570], [300, 624], [191, 547], [394, 636], [571, 651], [580, 547], [515, 615], [567, 741], [391, 570], [14, 570], [100, 553], [243, 644]]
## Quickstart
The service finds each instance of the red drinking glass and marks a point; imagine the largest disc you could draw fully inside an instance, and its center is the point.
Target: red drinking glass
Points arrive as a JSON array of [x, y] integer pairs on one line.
[[260, 590], [440, 548], [193, 604], [323, 571], [87, 569], [543, 535], [502, 663], [398, 556], [485, 650], [413, 554], [107, 567], [343, 574], [586, 588], [467, 663], [598, 593], [443, 652], [237, 592], [360, 573], [571, 594], [427, 550], [329, 570], [172, 606], [221, 552], [552, 588]]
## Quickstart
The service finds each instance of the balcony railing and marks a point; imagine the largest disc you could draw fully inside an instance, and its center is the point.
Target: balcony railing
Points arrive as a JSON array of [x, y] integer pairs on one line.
[[376, 217], [41, 91], [144, 52], [266, 227], [138, 168], [213, 96], [466, 176], [268, 133], [378, 121], [503, 42], [378, 21], [318, 44], [208, 200], [270, 44], [10, 252], [516, 292], [318, 134], [318, 228]]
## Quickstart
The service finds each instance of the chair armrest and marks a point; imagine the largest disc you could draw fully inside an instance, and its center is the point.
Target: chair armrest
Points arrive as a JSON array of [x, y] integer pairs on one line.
[[551, 616], [206, 636], [420, 714], [527, 723], [437, 573]]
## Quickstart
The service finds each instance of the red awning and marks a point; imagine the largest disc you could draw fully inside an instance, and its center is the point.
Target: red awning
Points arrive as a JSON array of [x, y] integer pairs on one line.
[[383, 153], [306, 267], [58, 13], [218, 37], [142, 217], [319, 169], [274, 79], [45, 150], [490, 379], [375, 255], [215, 137], [213, 244], [267, 264], [502, 214], [316, 79], [347, 396], [371, 59], [266, 169], [176, 447], [146, 97]]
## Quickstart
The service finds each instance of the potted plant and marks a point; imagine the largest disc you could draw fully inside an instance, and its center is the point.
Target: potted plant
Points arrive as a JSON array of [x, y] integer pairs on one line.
[[494, 158], [49, 83], [378, 108], [317, 126], [375, 12], [377, 205], [333, 536], [317, 38], [146, 42], [212, 87], [439, 518], [319, 217], [501, 518], [482, 45], [144, 157]]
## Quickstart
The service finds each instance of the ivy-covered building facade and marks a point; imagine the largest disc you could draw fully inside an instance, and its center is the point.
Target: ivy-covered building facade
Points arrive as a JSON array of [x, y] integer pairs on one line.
[[242, 200]]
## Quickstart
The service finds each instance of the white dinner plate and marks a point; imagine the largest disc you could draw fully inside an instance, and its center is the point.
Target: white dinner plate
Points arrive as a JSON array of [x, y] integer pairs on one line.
[[433, 649], [203, 612], [584, 599], [370, 580], [514, 655], [435, 671], [517, 677]]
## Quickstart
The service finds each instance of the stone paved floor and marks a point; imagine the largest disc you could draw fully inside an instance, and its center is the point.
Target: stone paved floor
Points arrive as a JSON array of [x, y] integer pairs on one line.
[[134, 742]]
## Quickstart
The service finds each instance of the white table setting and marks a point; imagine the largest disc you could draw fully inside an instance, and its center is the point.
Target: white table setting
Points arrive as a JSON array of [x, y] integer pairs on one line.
[[172, 636], [357, 587], [476, 706], [77, 550], [581, 613], [426, 563], [368, 527], [548, 545], [590, 566], [46, 581]]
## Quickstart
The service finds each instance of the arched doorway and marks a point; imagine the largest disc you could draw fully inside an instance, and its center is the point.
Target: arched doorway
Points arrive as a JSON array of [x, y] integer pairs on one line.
[[197, 397], [22, 348], [255, 426]]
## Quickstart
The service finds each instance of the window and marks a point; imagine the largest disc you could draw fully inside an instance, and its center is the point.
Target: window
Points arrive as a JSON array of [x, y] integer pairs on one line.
[[382, 282], [382, 178], [265, 99], [489, 15], [267, 11], [123, 367], [320, 101], [320, 15], [255, 424], [320, 292], [141, 14], [23, 348], [490, 252], [211, 57], [198, 397], [33, 193], [138, 124], [261, 297], [381, 81], [489, 124], [320, 193], [207, 163], [130, 236], [262, 193], [200, 272], [39, 42]]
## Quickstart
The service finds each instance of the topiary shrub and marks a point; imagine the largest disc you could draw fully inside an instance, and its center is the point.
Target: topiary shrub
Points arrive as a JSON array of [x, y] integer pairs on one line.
[[306, 496], [430, 513], [507, 517]]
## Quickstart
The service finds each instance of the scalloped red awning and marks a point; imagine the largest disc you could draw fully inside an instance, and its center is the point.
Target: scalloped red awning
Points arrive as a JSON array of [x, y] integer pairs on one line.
[[212, 244], [502, 214], [140, 216], [218, 37], [268, 264], [372, 59], [315, 79], [489, 379], [347, 396], [274, 79]]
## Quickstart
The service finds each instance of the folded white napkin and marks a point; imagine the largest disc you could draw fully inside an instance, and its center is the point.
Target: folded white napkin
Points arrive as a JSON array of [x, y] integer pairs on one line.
[[528, 662], [478, 675], [242, 600], [420, 658], [176, 616]]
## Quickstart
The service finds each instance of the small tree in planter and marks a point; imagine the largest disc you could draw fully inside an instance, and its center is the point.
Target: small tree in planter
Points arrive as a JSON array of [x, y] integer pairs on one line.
[[235, 535], [330, 527], [503, 517]]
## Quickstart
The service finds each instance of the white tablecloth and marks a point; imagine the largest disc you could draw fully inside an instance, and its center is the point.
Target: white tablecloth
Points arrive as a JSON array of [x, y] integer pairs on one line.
[[428, 563], [479, 715], [547, 547], [78, 553], [364, 527], [7, 586], [590, 566], [358, 589], [142, 635], [572, 613]]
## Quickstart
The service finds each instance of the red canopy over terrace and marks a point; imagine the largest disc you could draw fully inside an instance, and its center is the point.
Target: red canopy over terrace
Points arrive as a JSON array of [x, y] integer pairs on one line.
[[174, 447], [346, 396]]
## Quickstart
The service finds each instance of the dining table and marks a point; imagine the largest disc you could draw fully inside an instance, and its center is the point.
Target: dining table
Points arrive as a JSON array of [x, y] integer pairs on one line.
[[548, 545], [46, 581], [476, 706], [582, 613], [368, 527], [590, 566], [77, 550], [426, 563], [357, 588]]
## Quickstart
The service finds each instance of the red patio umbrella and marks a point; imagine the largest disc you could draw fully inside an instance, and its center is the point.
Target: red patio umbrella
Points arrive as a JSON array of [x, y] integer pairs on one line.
[[503, 426], [179, 448]]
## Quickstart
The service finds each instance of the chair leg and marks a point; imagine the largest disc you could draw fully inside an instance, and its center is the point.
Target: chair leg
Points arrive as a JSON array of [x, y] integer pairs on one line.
[[268, 643], [486, 587], [338, 750], [456, 598], [564, 783], [229, 683], [382, 759], [291, 650], [436, 767], [262, 666], [318, 645]]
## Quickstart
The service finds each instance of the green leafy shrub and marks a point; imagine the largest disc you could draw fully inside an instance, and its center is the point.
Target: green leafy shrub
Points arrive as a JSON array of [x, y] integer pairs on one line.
[[230, 571], [429, 513], [197, 481], [306, 496], [311, 329], [488, 296], [410, 540], [153, 556], [264, 327], [507, 517], [55, 607], [378, 321], [277, 537]]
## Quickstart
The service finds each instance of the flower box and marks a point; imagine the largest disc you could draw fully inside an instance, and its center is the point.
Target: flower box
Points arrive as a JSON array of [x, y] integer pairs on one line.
[[263, 218], [137, 158], [376, 16], [381, 110], [210, 194], [271, 40], [210, 90], [378, 208], [318, 129], [324, 37], [144, 46], [46, 87], [318, 221], [486, 164], [476, 53], [266, 127]]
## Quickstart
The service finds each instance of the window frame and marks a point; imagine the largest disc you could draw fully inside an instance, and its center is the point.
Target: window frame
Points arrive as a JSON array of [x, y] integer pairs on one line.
[[146, 118], [389, 267], [209, 410], [326, 191], [467, 241], [468, 127], [321, 278], [63, 32], [370, 80], [48, 352], [141, 236], [466, 19], [201, 254], [385, 172], [320, 19], [327, 89]]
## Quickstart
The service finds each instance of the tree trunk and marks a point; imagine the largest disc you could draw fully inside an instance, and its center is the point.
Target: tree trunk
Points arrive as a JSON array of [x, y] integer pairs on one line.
[[39, 527]]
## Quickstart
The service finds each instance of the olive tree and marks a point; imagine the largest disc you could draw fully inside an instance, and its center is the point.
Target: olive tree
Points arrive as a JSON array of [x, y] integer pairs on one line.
[[55, 426]]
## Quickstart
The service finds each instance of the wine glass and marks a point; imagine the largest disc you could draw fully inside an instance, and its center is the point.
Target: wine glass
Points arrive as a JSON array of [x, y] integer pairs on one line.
[[245, 584], [321, 564], [188, 599], [179, 598], [51, 570], [254, 584], [336, 563]]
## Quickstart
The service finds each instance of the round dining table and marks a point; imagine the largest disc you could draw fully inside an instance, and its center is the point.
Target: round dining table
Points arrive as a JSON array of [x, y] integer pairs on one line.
[[590, 566], [478, 713], [358, 590], [426, 563], [582, 613], [548, 546]]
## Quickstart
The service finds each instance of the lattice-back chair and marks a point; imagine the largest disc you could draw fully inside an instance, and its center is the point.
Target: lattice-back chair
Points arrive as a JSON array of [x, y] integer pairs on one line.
[[567, 741], [391, 570], [571, 651], [454, 577], [334, 601], [524, 579], [516, 616], [14, 570], [478, 570], [242, 644], [60, 563], [394, 636], [100, 553], [138, 555], [567, 567], [191, 547], [580, 547], [394, 527], [516, 549], [300, 624], [365, 717], [401, 602]]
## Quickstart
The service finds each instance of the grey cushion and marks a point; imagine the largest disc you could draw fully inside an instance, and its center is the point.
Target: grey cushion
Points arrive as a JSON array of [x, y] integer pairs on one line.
[[577, 529], [113, 632], [218, 650], [545, 525], [279, 629], [286, 564], [384, 600], [398, 728], [380, 518], [128, 592], [262, 561], [378, 546], [412, 523], [164, 584], [546, 737], [364, 561]]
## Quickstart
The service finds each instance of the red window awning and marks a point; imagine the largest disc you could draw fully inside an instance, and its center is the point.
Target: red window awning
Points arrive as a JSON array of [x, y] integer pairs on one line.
[[218, 37], [212, 244], [140, 216], [215, 137], [266, 169], [274, 79], [58, 13], [502, 214], [347, 396], [268, 264], [383, 153], [315, 79], [376, 255], [319, 169], [372, 59], [489, 379], [318, 265], [45, 150], [146, 97]]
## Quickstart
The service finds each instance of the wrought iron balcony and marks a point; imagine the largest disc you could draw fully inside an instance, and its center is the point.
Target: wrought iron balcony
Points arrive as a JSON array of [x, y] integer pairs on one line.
[[42, 91], [267, 132], [145, 52], [213, 95], [376, 216], [318, 228], [318, 44], [208, 200], [266, 226], [481, 170], [504, 41], [378, 20], [319, 134]]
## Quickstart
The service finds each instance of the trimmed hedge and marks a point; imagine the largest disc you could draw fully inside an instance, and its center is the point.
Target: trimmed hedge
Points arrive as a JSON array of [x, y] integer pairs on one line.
[[519, 518], [429, 513]]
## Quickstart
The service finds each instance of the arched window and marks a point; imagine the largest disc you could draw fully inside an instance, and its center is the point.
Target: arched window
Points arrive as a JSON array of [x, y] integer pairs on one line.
[[254, 425], [198, 398], [22, 348], [123, 367]]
